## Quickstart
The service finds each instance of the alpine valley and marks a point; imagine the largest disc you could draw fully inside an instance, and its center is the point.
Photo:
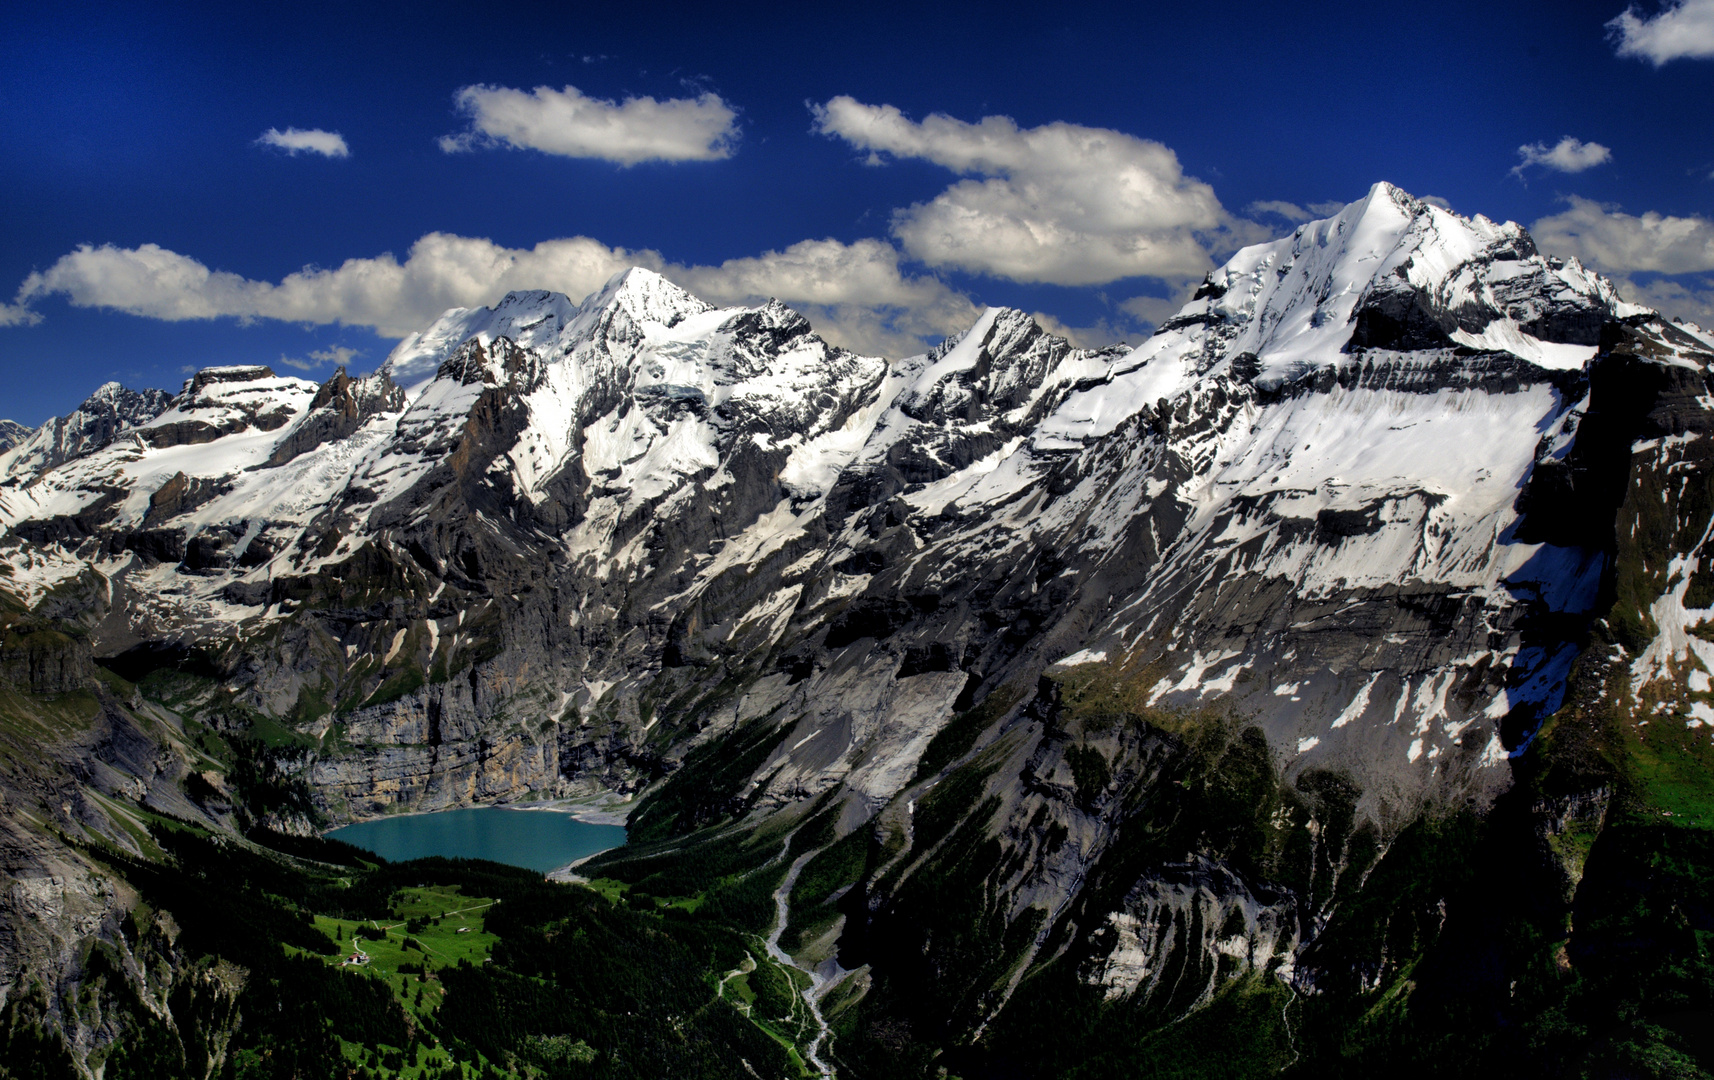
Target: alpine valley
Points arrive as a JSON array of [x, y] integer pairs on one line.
[[1322, 688]]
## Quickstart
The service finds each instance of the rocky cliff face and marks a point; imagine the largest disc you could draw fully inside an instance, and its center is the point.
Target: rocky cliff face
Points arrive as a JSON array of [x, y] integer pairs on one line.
[[12, 433], [1147, 656], [85, 762], [94, 424]]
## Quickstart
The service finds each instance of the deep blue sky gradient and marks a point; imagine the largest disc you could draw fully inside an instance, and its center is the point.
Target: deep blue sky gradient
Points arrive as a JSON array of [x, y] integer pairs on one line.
[[130, 125]]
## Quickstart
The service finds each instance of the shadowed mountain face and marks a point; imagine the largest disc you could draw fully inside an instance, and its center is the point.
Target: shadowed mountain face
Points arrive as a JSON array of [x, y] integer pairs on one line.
[[12, 433], [1109, 678]]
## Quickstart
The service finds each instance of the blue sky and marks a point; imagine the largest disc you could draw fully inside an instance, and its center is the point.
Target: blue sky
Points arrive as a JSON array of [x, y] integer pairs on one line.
[[886, 169]]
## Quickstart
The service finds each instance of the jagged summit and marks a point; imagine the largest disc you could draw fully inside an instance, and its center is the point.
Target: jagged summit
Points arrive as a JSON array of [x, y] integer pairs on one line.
[[1389, 271], [109, 411], [548, 322], [12, 433]]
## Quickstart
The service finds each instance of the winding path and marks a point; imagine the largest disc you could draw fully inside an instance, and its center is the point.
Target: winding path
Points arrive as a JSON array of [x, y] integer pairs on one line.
[[748, 965]]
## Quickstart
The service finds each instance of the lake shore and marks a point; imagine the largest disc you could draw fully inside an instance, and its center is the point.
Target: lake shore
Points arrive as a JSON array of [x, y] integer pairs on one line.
[[600, 811]]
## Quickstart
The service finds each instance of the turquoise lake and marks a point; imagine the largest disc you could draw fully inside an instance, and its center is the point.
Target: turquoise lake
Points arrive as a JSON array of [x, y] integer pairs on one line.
[[535, 839]]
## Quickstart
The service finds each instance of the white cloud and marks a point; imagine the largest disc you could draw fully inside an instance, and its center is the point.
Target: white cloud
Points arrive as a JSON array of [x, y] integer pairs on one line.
[[394, 298], [1155, 310], [855, 294], [1292, 212], [1296, 214], [815, 271], [1620, 243], [1059, 203], [1568, 155], [18, 314], [1682, 29], [571, 124], [315, 141], [338, 355]]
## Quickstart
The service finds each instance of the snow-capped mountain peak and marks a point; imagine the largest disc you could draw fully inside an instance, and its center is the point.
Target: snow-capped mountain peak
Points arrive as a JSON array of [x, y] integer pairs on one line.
[[101, 418], [1394, 272], [1388, 276], [546, 322], [1368, 497], [532, 319], [647, 297]]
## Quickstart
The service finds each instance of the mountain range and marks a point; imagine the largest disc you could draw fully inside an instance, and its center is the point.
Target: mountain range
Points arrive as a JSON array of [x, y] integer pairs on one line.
[[1321, 685]]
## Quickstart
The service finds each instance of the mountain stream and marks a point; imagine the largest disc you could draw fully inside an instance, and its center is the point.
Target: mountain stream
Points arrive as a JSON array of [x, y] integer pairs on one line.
[[818, 984]]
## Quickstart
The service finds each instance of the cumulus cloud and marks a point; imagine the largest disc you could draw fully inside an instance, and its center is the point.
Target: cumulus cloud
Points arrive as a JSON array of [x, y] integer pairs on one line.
[[338, 355], [393, 298], [856, 294], [1568, 155], [1152, 310], [1060, 203], [1621, 243], [569, 123], [312, 141], [1682, 29]]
